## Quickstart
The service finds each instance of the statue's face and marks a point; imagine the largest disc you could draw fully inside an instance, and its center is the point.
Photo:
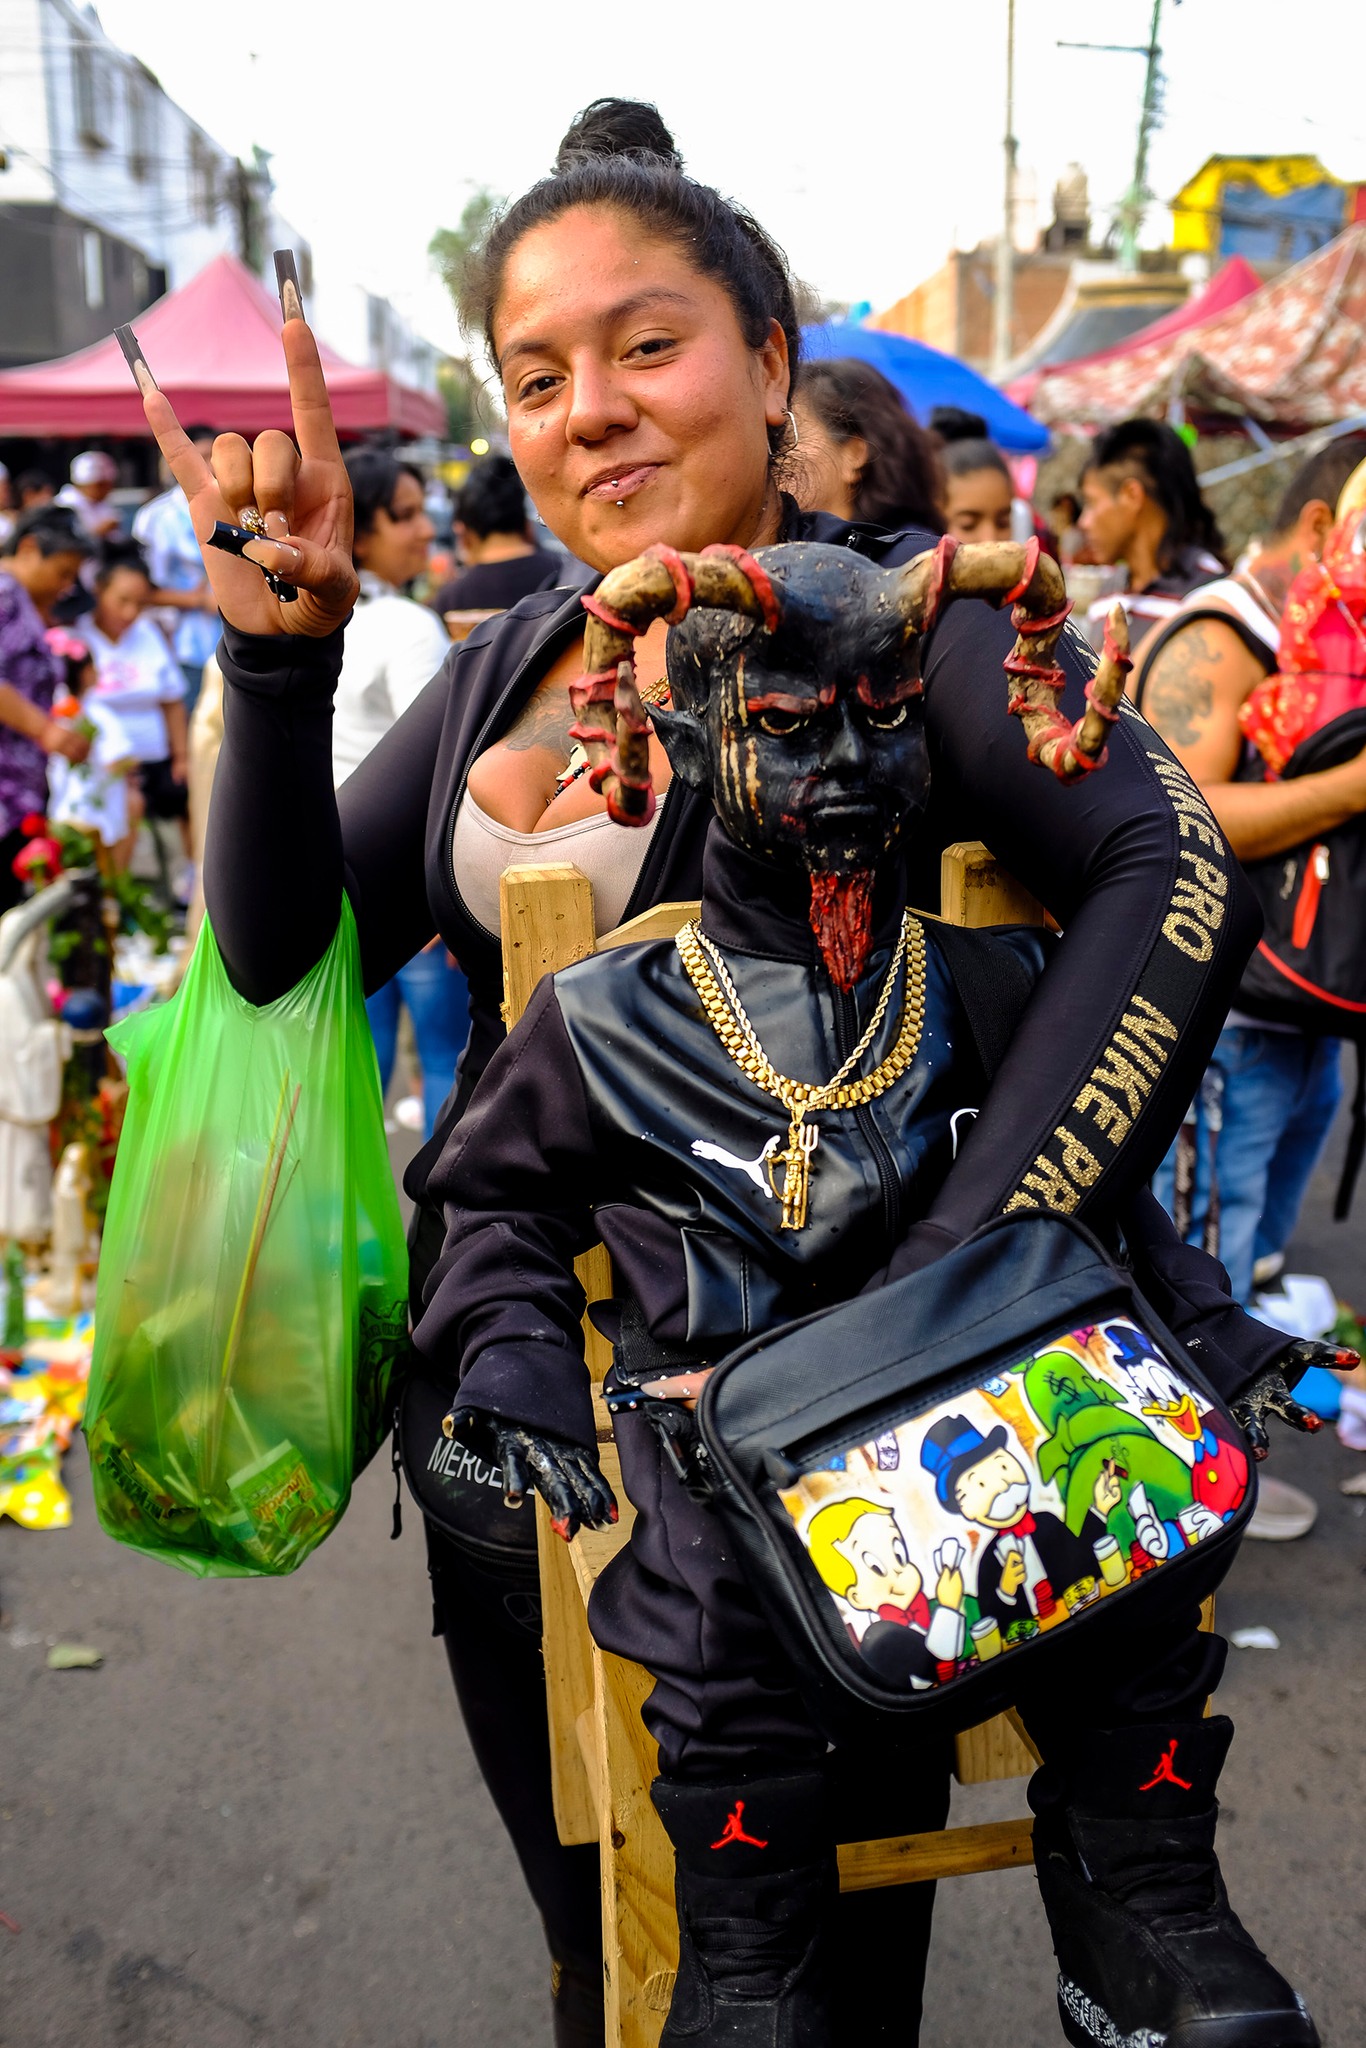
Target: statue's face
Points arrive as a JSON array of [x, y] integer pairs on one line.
[[810, 740]]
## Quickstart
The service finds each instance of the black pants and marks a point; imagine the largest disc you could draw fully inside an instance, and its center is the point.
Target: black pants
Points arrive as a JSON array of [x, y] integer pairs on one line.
[[489, 1616], [725, 1701]]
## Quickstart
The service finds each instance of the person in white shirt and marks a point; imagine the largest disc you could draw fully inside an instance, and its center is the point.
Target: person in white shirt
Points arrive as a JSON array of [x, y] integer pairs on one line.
[[393, 649], [93, 476], [92, 794], [185, 607], [138, 677]]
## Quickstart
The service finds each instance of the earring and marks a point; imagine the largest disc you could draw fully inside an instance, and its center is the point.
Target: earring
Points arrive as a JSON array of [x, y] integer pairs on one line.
[[796, 440]]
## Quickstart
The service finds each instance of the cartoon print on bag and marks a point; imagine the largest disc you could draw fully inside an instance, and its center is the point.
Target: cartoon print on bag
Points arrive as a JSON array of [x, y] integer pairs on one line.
[[859, 1550], [1090, 1433], [1218, 1467], [1055, 1482], [1031, 1557]]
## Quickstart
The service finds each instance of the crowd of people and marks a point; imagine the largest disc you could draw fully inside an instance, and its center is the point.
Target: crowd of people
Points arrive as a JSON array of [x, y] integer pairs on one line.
[[430, 743]]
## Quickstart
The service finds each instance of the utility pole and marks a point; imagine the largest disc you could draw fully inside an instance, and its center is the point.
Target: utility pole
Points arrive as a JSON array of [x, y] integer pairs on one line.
[[1004, 309], [1134, 204]]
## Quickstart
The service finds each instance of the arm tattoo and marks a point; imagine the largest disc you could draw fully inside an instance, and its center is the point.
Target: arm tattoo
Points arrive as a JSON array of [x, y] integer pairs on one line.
[[1180, 691], [544, 723]]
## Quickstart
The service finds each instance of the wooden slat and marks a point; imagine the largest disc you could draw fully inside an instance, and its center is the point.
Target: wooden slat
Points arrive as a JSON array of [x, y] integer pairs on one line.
[[993, 1749], [976, 891], [593, 1271], [569, 1682], [547, 922], [947, 1852], [639, 1929], [659, 923]]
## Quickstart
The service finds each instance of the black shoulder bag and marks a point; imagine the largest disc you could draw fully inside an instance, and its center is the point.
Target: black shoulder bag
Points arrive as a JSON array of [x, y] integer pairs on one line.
[[935, 1487]]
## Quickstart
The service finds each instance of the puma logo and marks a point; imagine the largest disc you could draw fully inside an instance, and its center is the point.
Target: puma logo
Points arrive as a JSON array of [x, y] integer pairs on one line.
[[753, 1169]]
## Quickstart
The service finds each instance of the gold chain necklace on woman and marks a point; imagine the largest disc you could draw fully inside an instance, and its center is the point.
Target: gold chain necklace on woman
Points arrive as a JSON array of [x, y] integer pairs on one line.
[[726, 1014]]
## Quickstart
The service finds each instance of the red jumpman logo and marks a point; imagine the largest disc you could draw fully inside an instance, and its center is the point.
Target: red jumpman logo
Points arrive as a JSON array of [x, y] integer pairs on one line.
[[1165, 1774], [734, 1832]]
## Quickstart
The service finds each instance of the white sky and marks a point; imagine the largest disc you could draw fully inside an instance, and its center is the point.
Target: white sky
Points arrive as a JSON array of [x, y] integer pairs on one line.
[[865, 136]]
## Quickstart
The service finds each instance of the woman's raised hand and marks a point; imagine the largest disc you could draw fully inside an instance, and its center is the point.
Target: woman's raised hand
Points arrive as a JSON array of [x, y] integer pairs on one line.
[[303, 494]]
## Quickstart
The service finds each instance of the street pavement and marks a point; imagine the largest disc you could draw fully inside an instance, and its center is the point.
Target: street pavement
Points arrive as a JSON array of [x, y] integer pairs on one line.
[[257, 1823]]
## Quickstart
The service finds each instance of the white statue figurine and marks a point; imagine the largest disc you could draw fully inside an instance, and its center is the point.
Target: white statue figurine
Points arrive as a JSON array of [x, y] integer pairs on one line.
[[34, 1048], [70, 1231]]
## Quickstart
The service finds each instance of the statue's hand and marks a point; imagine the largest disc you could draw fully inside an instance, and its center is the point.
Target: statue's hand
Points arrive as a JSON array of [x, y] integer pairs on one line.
[[567, 1476], [1269, 1393]]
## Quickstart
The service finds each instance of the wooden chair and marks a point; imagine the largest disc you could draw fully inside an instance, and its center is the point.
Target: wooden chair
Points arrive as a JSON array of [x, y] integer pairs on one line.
[[603, 1761]]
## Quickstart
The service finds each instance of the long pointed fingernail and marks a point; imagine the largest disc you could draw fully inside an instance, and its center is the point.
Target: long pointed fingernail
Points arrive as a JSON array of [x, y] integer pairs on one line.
[[277, 526], [136, 361], [287, 278], [272, 561]]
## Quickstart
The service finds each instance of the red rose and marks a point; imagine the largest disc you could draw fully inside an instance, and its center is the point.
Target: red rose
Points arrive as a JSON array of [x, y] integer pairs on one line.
[[40, 860], [31, 825]]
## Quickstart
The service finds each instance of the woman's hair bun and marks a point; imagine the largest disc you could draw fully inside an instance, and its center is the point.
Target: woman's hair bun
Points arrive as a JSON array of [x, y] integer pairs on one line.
[[630, 128]]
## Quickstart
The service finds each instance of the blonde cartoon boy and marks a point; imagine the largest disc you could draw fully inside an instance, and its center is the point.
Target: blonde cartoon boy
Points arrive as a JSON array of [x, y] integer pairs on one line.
[[857, 1547]]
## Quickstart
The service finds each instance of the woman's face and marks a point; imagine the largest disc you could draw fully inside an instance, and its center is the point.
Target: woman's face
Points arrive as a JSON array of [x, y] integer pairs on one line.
[[398, 544], [120, 600], [977, 506], [637, 412], [826, 470]]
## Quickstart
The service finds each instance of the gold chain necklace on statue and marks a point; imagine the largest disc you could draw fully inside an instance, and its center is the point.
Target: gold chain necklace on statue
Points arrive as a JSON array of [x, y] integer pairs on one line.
[[726, 1014]]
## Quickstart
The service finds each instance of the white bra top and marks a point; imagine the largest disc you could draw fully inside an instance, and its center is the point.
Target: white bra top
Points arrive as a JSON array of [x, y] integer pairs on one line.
[[610, 856]]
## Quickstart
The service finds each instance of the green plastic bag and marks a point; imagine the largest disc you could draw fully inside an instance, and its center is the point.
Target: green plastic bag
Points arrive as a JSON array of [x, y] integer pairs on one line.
[[252, 1296]]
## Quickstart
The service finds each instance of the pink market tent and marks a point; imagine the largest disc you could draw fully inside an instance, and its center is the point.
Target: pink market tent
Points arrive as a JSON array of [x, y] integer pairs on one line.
[[1291, 356], [1234, 281], [214, 348]]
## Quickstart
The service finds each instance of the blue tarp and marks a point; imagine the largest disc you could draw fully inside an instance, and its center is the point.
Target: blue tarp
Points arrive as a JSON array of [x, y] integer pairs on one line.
[[926, 377]]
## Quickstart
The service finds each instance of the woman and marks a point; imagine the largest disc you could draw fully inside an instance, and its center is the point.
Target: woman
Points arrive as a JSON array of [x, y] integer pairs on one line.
[[645, 332], [393, 648], [41, 562], [978, 491], [859, 453], [139, 678], [1141, 505]]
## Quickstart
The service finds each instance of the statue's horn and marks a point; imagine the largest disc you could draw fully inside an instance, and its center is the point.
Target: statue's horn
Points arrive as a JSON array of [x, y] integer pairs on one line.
[[659, 584]]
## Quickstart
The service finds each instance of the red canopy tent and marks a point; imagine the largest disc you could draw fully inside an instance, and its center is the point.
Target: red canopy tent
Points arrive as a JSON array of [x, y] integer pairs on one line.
[[1236, 280], [214, 348], [1292, 356]]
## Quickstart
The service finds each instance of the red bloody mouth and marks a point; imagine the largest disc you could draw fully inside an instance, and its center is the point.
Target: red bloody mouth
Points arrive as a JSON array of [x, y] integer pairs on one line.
[[842, 920]]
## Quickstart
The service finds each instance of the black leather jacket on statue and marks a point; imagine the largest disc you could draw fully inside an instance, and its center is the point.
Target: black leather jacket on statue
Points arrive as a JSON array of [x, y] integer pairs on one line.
[[615, 1111], [1125, 860]]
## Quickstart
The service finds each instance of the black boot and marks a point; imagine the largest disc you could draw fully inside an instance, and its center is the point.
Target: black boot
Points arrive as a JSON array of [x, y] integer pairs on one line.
[[755, 1880], [1150, 1953]]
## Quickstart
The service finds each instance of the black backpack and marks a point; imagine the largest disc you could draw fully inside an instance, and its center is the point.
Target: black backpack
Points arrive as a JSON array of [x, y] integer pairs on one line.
[[1309, 969]]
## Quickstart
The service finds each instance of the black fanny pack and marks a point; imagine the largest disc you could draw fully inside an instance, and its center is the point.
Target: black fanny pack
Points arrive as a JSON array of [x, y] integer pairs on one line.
[[937, 1487]]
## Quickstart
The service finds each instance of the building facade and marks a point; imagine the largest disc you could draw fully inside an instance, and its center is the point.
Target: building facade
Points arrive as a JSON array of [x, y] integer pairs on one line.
[[109, 193]]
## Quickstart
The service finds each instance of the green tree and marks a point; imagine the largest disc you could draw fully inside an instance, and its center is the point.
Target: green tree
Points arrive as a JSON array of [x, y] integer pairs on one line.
[[452, 250], [471, 409]]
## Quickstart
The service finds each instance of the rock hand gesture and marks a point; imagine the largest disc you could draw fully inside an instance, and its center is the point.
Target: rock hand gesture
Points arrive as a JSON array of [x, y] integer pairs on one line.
[[299, 497]]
